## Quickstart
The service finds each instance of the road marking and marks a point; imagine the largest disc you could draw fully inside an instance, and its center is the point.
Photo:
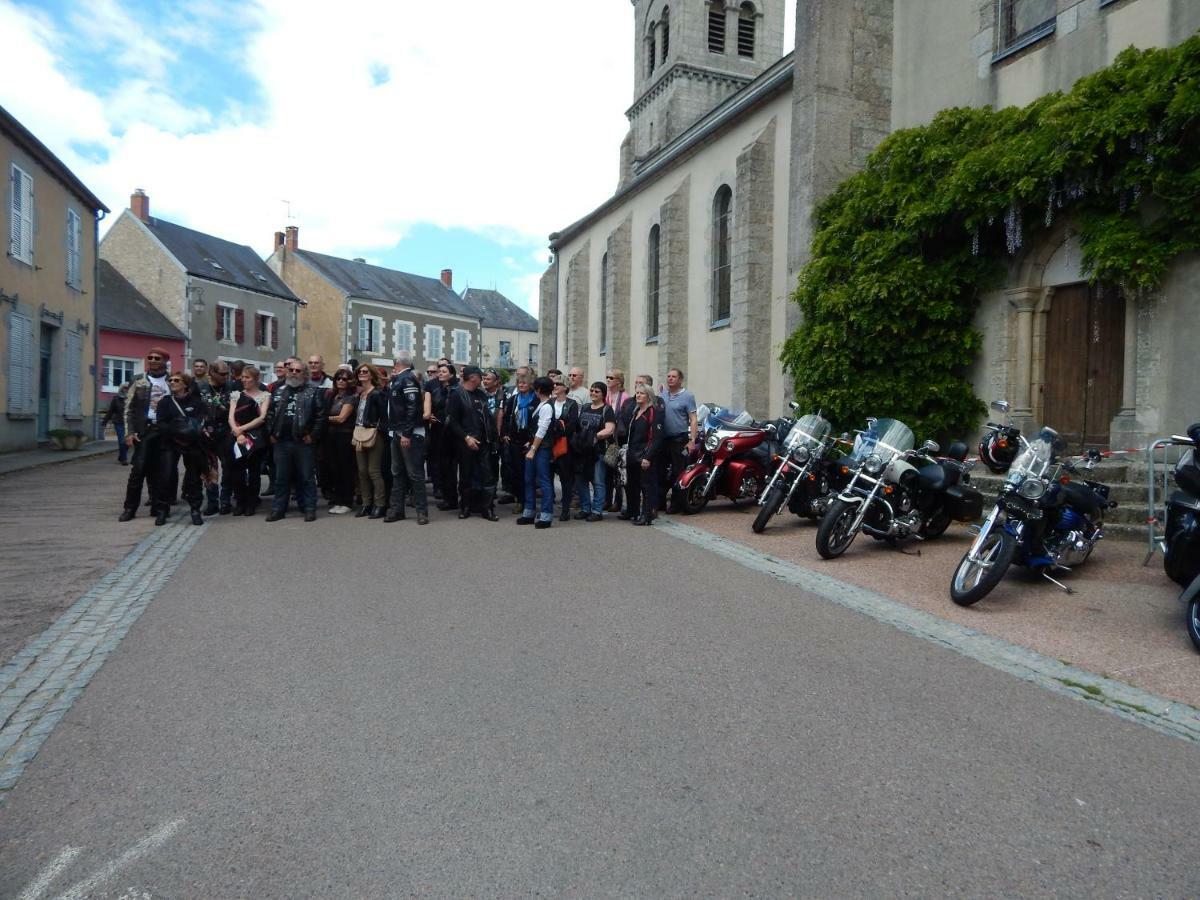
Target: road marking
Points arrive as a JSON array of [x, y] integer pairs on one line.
[[133, 854], [1160, 713], [48, 874]]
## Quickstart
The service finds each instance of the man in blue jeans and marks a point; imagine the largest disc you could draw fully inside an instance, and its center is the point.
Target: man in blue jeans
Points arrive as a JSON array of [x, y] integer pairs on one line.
[[295, 422], [538, 458]]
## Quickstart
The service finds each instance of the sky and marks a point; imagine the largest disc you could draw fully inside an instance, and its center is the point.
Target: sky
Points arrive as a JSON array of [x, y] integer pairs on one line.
[[419, 135]]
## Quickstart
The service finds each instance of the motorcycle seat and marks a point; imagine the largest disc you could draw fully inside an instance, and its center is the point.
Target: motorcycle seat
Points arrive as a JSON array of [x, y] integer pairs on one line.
[[1082, 497], [935, 477], [762, 453]]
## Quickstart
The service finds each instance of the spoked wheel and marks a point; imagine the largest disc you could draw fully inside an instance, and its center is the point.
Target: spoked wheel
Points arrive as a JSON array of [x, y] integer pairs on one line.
[[1193, 621], [770, 506], [691, 498], [836, 532], [974, 578]]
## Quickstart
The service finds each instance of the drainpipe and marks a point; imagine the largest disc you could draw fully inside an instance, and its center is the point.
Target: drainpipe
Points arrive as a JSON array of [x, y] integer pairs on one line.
[[97, 362]]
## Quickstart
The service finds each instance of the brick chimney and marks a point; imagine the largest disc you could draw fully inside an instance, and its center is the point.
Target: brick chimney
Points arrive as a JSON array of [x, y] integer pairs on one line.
[[278, 239], [139, 204], [292, 240], [448, 278]]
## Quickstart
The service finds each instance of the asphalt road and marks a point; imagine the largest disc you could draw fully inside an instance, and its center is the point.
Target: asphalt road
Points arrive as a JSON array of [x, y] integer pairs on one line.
[[352, 709]]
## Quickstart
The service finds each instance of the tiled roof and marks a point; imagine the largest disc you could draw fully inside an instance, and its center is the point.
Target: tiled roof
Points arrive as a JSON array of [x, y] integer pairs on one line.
[[219, 260], [497, 311], [360, 279], [121, 307]]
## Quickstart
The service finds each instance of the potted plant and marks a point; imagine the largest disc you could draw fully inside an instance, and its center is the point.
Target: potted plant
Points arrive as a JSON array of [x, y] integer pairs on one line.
[[66, 438]]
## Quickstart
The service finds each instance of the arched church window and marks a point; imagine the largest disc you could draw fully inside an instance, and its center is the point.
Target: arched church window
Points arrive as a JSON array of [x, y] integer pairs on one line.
[[653, 281], [745, 35], [716, 26], [722, 252], [650, 52], [604, 303], [666, 32]]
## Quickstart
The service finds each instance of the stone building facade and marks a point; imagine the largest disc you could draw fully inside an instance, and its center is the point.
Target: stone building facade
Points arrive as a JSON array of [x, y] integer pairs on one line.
[[691, 263]]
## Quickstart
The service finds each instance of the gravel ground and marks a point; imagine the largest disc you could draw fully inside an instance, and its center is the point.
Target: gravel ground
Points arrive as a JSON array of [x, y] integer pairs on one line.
[[1125, 621]]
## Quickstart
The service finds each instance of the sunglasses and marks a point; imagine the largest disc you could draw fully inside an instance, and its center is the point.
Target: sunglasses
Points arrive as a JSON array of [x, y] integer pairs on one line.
[[295, 369], [342, 378], [155, 358], [175, 380]]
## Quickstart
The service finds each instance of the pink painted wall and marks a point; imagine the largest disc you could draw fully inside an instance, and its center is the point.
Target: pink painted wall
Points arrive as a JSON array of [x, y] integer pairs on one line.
[[132, 346]]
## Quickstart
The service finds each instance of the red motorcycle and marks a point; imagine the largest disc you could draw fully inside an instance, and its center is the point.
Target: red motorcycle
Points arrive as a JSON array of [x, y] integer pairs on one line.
[[734, 462]]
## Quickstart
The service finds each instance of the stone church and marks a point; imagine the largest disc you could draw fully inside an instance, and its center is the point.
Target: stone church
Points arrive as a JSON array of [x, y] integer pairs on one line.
[[732, 144]]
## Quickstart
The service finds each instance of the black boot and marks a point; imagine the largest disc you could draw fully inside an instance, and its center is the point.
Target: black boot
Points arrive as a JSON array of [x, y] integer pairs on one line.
[[160, 518], [363, 512], [197, 519], [211, 509]]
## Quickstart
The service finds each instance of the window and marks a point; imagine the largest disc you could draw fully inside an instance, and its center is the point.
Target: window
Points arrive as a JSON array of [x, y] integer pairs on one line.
[[20, 220], [370, 334], [745, 35], [72, 377], [402, 336], [652, 284], [650, 52], [533, 355], [721, 247], [231, 324], [119, 370], [461, 341], [74, 239], [716, 26], [505, 354], [20, 365], [604, 304], [266, 330], [666, 32], [435, 339], [1024, 21]]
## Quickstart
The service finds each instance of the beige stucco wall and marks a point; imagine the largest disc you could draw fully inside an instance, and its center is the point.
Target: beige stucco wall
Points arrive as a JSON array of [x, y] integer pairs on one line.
[[43, 286], [709, 362], [321, 325], [520, 341], [146, 264]]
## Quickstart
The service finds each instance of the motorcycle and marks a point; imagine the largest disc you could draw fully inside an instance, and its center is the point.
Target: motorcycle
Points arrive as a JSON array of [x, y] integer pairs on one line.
[[732, 463], [896, 491], [804, 472], [1041, 521], [1182, 537]]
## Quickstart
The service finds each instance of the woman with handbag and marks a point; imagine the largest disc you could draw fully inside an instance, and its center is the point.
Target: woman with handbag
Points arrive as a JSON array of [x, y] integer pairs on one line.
[[339, 441], [566, 411], [597, 425], [642, 449], [369, 443], [183, 419], [247, 413]]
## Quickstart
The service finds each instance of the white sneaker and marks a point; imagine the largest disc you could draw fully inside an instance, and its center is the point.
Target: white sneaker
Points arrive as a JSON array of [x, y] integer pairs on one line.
[[338, 510]]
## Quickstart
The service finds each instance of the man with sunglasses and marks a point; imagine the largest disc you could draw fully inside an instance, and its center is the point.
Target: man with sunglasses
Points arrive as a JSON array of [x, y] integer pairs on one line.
[[295, 422], [215, 391], [141, 433]]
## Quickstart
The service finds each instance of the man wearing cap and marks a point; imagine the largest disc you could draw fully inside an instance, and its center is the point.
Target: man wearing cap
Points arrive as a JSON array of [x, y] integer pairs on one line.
[[472, 428], [142, 437]]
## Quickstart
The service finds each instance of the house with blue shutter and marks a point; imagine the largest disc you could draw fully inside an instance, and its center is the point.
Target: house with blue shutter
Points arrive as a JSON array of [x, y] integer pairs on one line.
[[221, 295], [48, 328]]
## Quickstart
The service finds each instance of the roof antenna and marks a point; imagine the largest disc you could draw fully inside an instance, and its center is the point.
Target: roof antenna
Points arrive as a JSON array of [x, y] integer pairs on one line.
[[287, 205]]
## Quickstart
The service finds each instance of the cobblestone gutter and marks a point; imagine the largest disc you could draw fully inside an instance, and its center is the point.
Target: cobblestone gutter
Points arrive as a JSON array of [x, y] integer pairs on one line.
[[39, 684]]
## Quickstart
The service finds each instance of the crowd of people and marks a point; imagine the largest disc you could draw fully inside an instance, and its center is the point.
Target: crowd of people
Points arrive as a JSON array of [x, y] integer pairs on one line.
[[377, 444]]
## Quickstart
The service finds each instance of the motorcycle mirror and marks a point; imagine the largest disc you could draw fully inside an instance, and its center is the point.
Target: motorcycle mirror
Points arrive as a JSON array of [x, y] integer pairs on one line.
[[845, 436], [931, 446], [1002, 405], [794, 405], [871, 420], [1194, 433]]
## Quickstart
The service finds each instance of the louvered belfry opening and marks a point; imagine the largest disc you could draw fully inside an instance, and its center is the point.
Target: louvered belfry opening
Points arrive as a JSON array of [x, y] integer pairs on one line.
[[666, 32], [650, 54], [716, 27], [746, 31]]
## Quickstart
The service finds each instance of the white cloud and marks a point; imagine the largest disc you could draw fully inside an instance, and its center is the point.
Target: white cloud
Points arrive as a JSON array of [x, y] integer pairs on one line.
[[109, 28]]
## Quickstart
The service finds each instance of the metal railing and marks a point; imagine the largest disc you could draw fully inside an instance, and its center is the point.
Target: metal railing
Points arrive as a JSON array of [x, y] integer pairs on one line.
[[1161, 457]]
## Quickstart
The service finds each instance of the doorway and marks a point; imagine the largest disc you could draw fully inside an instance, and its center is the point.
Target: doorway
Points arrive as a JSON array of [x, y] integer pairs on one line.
[[1084, 368], [44, 372]]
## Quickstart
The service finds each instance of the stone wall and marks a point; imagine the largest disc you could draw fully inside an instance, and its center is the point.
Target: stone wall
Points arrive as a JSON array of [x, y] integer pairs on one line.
[[548, 319], [578, 277], [673, 284], [750, 288], [620, 281]]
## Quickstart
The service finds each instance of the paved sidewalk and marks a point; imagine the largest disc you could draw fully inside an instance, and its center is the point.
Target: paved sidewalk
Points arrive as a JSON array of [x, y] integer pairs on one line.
[[32, 459]]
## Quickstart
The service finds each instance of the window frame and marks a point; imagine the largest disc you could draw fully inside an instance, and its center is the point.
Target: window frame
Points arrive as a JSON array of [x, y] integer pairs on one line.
[[465, 357], [721, 250], [269, 324], [653, 284], [21, 218], [74, 248], [375, 343], [534, 350], [716, 13], [1006, 46], [604, 303], [441, 342], [110, 385], [22, 403], [228, 335], [747, 20], [397, 346]]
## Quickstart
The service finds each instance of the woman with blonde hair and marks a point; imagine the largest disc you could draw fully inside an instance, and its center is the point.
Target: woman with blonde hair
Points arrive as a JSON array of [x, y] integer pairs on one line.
[[370, 413], [247, 414]]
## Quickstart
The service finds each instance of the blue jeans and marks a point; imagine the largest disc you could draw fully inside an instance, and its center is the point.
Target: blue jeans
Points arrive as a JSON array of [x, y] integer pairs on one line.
[[537, 474], [599, 488], [122, 450], [295, 460]]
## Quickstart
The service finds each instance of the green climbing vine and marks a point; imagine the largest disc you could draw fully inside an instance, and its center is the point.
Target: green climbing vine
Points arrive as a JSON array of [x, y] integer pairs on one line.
[[903, 249]]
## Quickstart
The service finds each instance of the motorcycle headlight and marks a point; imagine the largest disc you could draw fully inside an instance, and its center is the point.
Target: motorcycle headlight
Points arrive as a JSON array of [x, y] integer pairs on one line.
[[711, 442], [1032, 488], [873, 464], [800, 454]]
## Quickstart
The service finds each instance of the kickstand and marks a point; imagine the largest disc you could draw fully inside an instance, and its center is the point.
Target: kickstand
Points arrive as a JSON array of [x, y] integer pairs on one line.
[[916, 551], [1069, 590]]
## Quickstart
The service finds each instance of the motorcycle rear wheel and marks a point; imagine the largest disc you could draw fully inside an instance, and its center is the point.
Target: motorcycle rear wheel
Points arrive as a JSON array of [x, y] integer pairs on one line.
[[834, 536], [1193, 621], [936, 526], [771, 504], [972, 580]]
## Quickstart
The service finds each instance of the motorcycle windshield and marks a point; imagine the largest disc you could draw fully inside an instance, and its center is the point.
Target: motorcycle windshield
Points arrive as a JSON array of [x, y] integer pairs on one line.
[[886, 438], [729, 419], [1033, 460], [809, 432]]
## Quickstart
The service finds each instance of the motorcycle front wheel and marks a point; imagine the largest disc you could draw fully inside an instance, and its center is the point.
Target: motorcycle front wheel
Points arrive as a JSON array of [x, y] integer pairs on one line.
[[835, 534], [771, 504], [691, 498], [1193, 621], [974, 579]]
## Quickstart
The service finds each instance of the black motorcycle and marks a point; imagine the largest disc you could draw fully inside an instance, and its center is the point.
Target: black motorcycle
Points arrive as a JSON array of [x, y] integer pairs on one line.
[[803, 475], [1182, 538], [1042, 520], [896, 490]]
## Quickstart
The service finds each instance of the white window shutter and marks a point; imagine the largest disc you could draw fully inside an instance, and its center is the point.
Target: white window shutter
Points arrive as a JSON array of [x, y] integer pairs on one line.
[[73, 242], [20, 364], [72, 393], [20, 222], [364, 330]]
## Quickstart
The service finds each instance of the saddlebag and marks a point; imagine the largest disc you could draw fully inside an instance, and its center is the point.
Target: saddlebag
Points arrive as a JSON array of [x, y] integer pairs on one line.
[[964, 503]]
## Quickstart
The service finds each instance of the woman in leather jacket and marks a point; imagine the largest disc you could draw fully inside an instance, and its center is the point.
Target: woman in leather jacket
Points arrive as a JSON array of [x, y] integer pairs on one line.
[[371, 413], [184, 420], [645, 442]]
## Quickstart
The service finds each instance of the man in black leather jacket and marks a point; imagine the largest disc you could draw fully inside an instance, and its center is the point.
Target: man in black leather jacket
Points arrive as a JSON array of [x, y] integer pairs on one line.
[[214, 390], [295, 423], [406, 435], [473, 430]]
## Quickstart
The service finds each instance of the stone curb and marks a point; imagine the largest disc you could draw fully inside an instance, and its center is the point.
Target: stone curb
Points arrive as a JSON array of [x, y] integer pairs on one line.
[[1162, 714], [23, 460]]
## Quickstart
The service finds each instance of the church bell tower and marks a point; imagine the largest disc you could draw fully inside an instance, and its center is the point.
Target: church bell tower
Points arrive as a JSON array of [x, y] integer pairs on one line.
[[690, 55]]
